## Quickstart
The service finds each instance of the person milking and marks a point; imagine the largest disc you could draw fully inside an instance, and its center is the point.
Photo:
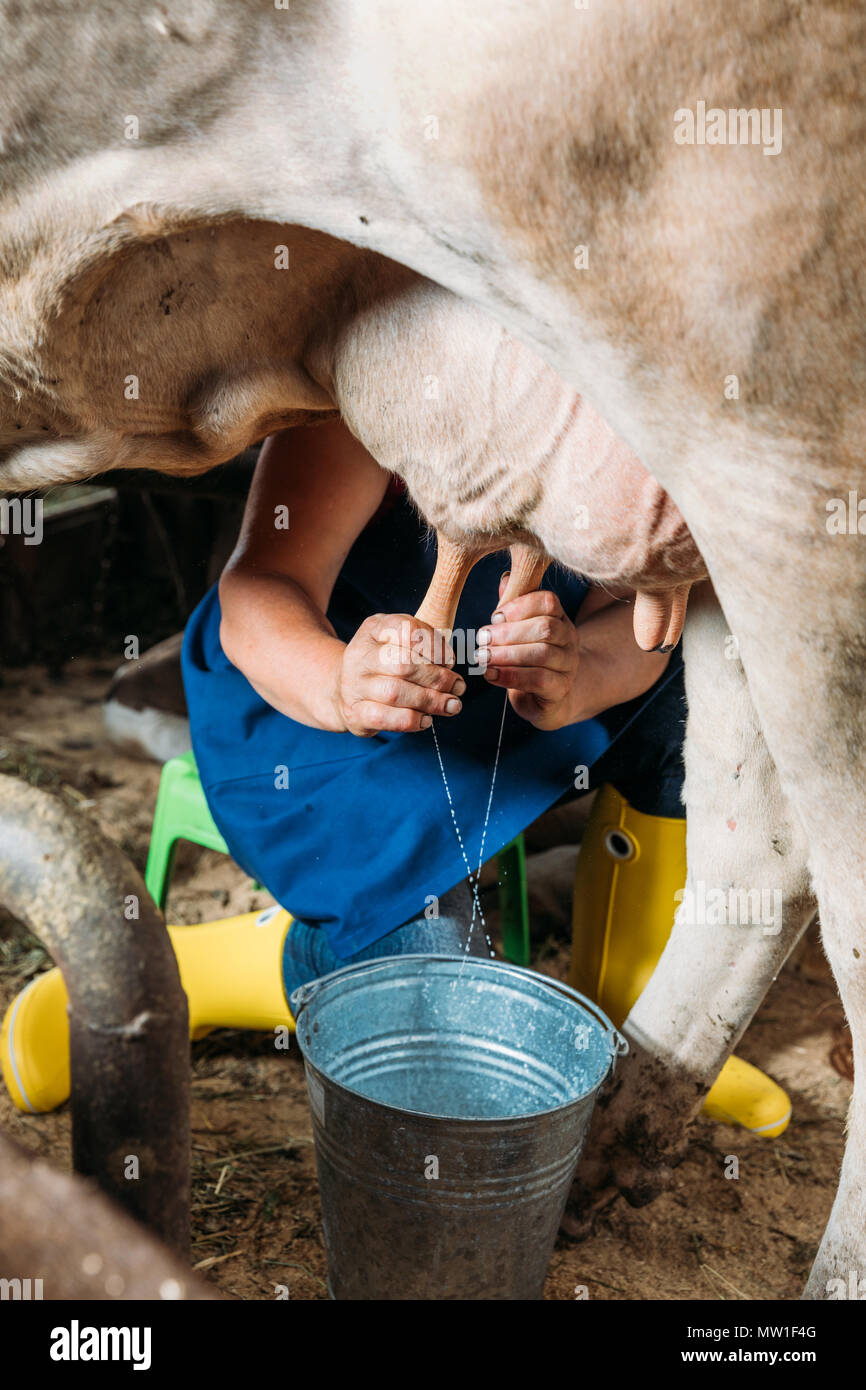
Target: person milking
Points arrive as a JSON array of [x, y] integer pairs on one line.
[[312, 693], [311, 725]]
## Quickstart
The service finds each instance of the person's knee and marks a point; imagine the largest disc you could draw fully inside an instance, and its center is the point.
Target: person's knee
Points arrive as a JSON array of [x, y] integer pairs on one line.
[[442, 929], [442, 934]]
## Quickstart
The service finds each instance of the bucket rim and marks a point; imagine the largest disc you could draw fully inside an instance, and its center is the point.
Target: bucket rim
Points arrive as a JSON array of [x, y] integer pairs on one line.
[[305, 994]]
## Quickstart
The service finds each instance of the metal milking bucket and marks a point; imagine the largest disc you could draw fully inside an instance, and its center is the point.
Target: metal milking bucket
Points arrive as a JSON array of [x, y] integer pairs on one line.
[[451, 1096]]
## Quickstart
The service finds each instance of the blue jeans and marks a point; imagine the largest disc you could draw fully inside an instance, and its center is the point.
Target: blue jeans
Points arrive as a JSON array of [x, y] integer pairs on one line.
[[307, 955], [645, 765]]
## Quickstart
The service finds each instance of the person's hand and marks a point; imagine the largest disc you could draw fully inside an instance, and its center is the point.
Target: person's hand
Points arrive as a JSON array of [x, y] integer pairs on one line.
[[396, 674], [531, 649]]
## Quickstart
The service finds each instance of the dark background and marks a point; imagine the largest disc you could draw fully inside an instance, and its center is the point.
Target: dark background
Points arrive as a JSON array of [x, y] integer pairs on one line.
[[131, 553]]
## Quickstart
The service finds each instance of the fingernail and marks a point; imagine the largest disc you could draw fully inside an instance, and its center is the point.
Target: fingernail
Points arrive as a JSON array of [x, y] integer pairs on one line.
[[503, 578], [426, 721], [492, 673], [459, 686], [452, 706], [498, 618]]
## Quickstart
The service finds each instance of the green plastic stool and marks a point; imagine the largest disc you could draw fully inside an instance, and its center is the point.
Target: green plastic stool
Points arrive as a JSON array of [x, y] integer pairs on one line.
[[514, 901], [182, 813]]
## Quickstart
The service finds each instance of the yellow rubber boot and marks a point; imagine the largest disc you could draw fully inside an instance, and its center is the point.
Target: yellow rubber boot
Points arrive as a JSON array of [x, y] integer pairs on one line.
[[231, 972], [629, 870]]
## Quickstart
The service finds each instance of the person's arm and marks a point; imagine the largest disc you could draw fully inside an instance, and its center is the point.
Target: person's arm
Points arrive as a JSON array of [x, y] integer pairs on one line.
[[276, 588], [558, 671]]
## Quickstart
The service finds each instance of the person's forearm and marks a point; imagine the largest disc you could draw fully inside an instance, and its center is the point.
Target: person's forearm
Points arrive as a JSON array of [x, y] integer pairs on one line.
[[612, 669], [288, 651]]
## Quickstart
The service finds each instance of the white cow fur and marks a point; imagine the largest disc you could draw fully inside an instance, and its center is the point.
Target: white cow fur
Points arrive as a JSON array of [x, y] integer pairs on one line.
[[147, 733], [480, 146]]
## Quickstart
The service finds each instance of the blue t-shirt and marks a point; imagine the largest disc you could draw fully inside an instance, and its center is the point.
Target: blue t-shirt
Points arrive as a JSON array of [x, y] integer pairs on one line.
[[355, 834]]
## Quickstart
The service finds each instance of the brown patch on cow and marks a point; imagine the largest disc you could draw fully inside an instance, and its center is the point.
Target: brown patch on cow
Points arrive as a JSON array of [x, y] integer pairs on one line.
[[201, 321], [683, 236], [842, 1052]]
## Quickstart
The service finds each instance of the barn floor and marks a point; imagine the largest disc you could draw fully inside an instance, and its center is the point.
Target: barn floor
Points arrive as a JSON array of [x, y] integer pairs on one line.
[[256, 1208]]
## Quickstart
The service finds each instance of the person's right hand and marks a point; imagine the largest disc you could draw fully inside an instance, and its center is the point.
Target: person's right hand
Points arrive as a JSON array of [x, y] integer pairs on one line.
[[396, 674]]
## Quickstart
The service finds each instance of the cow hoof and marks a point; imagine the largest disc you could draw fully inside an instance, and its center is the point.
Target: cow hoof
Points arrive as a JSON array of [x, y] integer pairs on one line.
[[630, 1163], [641, 1185], [586, 1204], [583, 1209]]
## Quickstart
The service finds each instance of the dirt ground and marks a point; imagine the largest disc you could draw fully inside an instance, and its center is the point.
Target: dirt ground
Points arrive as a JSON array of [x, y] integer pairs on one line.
[[256, 1221]]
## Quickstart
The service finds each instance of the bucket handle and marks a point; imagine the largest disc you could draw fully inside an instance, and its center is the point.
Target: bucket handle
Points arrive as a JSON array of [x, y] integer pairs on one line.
[[618, 1043], [304, 994]]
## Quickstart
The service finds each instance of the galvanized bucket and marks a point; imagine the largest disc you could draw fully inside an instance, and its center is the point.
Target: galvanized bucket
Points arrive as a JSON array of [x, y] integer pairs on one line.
[[450, 1098]]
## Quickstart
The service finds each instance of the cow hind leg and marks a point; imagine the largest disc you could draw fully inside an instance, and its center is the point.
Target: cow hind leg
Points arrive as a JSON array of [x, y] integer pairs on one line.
[[746, 903], [796, 599], [820, 740], [839, 1270], [834, 801]]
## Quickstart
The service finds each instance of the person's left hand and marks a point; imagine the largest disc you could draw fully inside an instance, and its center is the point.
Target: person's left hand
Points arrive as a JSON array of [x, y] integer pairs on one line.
[[533, 651]]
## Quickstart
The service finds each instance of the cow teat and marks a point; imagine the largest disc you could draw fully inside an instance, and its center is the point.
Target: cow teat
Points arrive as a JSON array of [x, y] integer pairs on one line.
[[453, 563], [528, 568], [658, 618], [455, 559]]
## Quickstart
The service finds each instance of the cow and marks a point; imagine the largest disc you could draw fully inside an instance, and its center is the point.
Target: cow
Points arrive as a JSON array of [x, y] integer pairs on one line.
[[218, 218]]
